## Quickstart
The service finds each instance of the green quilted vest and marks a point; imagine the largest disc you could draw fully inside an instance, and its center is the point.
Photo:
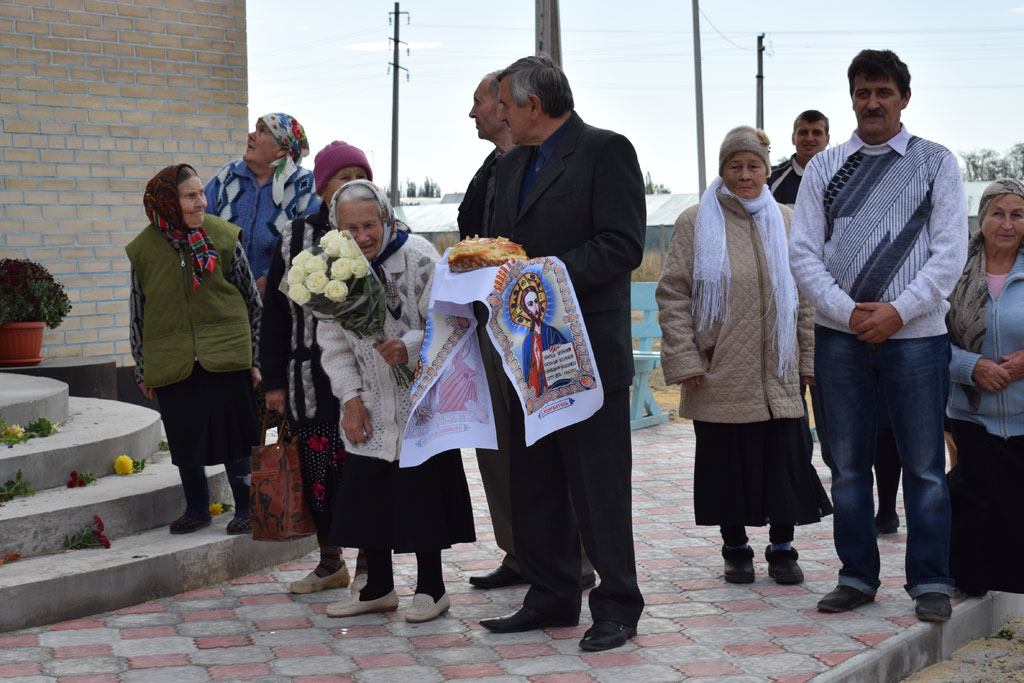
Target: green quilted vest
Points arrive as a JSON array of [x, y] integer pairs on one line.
[[181, 325]]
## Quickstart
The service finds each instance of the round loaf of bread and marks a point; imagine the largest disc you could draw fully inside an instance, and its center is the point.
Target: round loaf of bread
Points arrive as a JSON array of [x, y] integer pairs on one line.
[[483, 252]]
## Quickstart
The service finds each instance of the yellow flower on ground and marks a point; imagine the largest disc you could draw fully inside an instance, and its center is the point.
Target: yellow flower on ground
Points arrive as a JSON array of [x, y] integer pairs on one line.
[[123, 465], [216, 508]]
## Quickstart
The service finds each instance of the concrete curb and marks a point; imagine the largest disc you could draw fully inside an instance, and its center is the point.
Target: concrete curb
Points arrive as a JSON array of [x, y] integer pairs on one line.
[[127, 505], [144, 567], [25, 399], [925, 644], [94, 434]]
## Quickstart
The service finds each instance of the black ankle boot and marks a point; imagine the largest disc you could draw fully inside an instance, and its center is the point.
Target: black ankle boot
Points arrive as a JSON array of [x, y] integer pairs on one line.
[[739, 565], [782, 565]]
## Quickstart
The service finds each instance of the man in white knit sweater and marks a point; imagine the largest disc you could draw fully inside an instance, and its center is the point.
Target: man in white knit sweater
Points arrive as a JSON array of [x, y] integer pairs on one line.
[[878, 240]]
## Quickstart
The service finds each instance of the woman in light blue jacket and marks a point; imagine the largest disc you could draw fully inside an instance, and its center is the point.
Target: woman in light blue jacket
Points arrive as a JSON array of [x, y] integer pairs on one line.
[[986, 403]]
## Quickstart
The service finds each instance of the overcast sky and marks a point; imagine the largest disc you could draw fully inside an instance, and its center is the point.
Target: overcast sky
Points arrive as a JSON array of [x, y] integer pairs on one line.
[[630, 65]]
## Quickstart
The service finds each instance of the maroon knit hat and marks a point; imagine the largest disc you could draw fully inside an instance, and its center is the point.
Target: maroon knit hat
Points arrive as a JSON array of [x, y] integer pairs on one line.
[[334, 156]]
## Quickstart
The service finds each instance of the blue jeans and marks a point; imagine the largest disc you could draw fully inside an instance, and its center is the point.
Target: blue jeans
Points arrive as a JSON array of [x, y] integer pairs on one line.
[[912, 375]]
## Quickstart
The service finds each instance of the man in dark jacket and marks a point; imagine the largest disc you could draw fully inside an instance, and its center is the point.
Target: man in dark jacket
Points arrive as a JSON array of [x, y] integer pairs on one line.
[[574, 192], [810, 136]]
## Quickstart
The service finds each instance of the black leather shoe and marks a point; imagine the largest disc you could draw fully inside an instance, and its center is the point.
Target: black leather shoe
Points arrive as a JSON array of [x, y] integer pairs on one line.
[[933, 607], [499, 578], [844, 599], [526, 620], [604, 635], [588, 581], [739, 564], [782, 565]]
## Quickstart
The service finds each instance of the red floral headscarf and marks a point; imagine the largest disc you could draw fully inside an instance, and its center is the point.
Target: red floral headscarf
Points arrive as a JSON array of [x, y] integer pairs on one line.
[[163, 209]]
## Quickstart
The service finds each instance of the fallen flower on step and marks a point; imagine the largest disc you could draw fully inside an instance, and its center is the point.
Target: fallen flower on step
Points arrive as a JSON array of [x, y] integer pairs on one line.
[[79, 479], [89, 536], [9, 557], [125, 465], [220, 508]]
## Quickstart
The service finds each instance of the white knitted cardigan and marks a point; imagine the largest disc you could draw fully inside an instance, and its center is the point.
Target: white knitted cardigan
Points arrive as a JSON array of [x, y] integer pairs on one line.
[[356, 369]]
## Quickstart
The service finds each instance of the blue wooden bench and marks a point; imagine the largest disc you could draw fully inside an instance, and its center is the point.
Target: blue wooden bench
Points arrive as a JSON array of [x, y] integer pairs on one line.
[[643, 409]]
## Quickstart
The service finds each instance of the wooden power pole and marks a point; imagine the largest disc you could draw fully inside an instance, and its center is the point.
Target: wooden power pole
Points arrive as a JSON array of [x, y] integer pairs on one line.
[[394, 111], [549, 37]]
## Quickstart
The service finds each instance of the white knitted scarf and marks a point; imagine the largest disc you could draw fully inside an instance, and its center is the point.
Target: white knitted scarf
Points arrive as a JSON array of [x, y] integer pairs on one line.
[[712, 275]]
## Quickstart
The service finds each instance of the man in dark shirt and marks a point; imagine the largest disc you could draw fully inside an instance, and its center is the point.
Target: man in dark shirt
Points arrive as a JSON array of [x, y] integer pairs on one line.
[[810, 136]]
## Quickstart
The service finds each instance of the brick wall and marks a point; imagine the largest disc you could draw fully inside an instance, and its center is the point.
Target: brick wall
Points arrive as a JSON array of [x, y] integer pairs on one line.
[[95, 97]]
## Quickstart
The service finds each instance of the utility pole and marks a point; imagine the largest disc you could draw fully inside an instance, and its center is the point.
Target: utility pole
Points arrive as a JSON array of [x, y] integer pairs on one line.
[[701, 174], [548, 33], [760, 81], [394, 108]]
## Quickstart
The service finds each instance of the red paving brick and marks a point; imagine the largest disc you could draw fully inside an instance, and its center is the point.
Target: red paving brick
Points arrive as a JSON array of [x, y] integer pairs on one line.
[[271, 599], [216, 642], [665, 599], [457, 671], [525, 650], [71, 651], [752, 649], [792, 678], [606, 659], [708, 669], [15, 670], [310, 650], [572, 677], [904, 621], [77, 625], [210, 615], [158, 661], [239, 671], [872, 639], [147, 632], [833, 658], [18, 641], [144, 608], [97, 678], [330, 678], [252, 578], [386, 661]]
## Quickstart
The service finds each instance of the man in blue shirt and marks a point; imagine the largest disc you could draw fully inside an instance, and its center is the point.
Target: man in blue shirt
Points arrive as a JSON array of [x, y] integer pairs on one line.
[[266, 189]]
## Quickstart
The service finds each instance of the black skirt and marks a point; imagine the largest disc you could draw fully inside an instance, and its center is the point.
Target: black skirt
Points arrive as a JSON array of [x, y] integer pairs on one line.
[[756, 473], [209, 417], [986, 549], [382, 506]]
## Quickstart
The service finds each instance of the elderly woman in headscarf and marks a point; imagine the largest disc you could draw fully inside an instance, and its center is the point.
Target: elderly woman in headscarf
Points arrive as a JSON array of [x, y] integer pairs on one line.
[[738, 338], [384, 508], [986, 402], [195, 320], [293, 377], [265, 190]]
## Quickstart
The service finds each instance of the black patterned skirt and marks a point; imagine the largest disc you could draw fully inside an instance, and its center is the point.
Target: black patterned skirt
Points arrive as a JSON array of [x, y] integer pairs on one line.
[[382, 506], [209, 417]]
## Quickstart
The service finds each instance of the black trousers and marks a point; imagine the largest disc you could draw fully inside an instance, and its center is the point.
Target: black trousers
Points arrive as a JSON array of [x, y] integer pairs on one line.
[[576, 484]]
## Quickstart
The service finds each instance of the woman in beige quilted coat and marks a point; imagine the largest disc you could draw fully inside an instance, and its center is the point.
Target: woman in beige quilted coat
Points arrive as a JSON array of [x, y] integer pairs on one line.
[[739, 339]]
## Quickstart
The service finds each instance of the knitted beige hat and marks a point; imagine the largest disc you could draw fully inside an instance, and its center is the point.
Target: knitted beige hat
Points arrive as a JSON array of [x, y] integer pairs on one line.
[[745, 139]]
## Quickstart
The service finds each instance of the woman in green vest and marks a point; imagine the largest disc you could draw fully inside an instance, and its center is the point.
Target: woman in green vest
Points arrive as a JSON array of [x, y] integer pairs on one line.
[[194, 335]]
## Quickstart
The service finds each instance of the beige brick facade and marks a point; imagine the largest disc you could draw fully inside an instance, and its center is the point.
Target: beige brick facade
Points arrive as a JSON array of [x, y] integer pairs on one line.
[[95, 97]]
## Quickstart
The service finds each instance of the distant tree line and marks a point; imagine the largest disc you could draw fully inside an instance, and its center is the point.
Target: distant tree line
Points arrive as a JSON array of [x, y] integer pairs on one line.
[[429, 188], [986, 164], [651, 187]]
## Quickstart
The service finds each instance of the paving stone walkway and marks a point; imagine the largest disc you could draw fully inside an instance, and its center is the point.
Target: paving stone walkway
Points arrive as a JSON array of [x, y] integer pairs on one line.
[[695, 626]]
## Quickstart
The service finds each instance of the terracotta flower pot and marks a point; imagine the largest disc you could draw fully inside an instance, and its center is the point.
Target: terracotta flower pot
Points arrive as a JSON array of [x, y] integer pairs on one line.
[[20, 343]]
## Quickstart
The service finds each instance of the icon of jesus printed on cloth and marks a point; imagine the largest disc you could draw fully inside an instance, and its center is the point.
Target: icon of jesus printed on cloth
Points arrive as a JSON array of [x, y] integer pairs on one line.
[[528, 309]]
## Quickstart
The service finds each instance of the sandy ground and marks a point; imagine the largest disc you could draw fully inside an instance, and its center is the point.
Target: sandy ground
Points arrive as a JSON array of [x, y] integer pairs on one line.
[[998, 658]]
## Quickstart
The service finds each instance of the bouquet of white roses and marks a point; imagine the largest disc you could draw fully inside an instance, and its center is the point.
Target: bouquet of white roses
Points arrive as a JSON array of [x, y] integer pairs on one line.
[[335, 282]]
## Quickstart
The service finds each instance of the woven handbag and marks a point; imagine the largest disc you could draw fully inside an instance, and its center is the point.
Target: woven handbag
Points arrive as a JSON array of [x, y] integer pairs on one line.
[[276, 499]]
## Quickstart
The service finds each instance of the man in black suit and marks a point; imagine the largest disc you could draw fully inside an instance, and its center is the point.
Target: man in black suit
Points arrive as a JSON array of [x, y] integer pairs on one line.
[[575, 192]]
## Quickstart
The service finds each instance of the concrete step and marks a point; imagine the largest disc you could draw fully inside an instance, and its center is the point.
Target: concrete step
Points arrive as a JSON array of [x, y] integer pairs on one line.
[[135, 569], [94, 433], [127, 505], [24, 399]]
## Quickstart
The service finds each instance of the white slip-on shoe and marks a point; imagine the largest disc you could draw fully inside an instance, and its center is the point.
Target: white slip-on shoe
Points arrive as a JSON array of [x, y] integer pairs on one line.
[[358, 583], [423, 608], [315, 584], [353, 606]]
